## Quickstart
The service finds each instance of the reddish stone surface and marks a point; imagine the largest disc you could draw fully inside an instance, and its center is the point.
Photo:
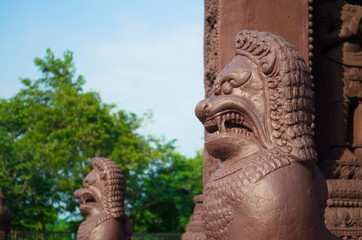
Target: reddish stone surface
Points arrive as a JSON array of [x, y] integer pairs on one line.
[[285, 18], [194, 230], [337, 69], [102, 201], [225, 18], [258, 122], [299, 22]]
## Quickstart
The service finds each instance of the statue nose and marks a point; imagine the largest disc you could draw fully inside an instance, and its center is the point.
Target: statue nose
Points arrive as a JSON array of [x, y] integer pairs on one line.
[[203, 109]]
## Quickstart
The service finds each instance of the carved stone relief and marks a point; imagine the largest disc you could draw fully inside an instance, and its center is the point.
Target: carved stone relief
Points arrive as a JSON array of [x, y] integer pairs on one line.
[[211, 44], [258, 122], [341, 39], [102, 201], [338, 71]]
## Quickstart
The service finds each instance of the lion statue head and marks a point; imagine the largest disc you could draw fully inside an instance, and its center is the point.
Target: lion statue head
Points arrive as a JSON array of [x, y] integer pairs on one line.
[[102, 201], [262, 99]]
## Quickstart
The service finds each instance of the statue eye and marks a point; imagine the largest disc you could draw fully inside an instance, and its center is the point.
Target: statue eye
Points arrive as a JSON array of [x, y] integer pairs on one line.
[[234, 80], [240, 78]]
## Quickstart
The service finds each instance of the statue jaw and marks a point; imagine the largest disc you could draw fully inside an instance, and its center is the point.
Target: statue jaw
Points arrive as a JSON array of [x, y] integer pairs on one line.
[[90, 196], [88, 201], [234, 117], [102, 201], [227, 147], [233, 126]]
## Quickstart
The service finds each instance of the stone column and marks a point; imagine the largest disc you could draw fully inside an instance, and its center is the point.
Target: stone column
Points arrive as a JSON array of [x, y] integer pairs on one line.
[[337, 74], [225, 18], [194, 230]]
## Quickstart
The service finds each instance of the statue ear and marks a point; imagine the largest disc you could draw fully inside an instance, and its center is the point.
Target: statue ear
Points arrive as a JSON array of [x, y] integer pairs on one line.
[[268, 63]]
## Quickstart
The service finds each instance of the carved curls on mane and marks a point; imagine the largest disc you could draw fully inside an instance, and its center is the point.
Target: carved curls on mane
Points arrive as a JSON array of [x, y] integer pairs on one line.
[[288, 88], [115, 186]]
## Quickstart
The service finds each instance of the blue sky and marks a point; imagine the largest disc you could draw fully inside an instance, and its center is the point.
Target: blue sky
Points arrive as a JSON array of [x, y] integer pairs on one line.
[[141, 55]]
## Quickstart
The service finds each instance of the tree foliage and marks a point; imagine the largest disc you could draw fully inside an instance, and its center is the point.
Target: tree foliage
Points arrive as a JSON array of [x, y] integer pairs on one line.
[[166, 202], [50, 130]]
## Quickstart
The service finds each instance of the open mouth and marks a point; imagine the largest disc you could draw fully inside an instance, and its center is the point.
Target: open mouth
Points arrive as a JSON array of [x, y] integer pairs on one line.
[[230, 122], [87, 198]]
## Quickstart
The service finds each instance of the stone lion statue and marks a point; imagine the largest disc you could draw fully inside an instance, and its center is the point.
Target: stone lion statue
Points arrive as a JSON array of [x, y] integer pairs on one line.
[[258, 122], [102, 201]]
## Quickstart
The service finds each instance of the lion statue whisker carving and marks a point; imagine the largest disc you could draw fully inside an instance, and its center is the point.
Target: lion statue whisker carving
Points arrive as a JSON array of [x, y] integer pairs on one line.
[[102, 201], [258, 122]]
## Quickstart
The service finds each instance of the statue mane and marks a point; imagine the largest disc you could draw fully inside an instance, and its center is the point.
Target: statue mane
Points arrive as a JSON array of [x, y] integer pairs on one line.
[[115, 186]]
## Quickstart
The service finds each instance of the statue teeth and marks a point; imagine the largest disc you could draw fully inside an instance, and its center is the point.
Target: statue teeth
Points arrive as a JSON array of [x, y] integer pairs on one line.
[[219, 122]]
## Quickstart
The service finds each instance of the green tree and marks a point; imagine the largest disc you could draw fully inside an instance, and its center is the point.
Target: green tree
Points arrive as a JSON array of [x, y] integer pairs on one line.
[[50, 130], [167, 200]]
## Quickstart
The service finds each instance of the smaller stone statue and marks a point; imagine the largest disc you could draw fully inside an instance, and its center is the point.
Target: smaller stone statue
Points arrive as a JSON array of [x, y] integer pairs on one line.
[[5, 219], [102, 201]]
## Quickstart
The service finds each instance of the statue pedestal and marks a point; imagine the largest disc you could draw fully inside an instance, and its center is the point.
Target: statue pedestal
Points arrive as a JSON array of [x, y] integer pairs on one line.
[[343, 213], [194, 230]]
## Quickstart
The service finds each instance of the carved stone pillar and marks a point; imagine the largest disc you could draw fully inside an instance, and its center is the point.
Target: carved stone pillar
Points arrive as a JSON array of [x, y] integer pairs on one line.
[[194, 230], [337, 72], [344, 208], [225, 18], [295, 21]]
